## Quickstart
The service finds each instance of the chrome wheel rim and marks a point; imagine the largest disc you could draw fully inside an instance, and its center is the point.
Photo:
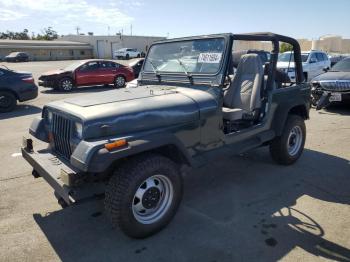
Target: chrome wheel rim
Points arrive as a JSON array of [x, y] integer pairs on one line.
[[67, 85], [152, 199], [120, 81], [295, 140]]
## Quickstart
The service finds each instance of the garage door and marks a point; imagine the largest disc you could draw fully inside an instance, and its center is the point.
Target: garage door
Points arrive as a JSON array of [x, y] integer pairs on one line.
[[116, 46], [100, 48]]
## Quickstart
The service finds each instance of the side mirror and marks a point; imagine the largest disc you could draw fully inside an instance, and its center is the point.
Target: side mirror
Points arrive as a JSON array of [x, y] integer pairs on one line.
[[325, 69], [313, 60]]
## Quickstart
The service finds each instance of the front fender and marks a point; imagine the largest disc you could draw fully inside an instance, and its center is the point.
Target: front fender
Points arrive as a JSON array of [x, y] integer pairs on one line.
[[95, 158]]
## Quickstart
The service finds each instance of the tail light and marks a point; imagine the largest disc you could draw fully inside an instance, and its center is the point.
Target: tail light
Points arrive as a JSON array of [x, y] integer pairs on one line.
[[29, 80]]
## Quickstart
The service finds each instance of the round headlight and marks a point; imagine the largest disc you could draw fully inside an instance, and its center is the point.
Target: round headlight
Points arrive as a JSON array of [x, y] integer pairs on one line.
[[78, 130]]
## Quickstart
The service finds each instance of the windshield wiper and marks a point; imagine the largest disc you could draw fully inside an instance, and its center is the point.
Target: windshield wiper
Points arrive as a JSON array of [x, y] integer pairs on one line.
[[185, 71], [154, 68]]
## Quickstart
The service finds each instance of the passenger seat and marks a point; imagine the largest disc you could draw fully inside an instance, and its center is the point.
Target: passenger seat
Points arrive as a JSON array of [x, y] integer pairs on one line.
[[242, 99]]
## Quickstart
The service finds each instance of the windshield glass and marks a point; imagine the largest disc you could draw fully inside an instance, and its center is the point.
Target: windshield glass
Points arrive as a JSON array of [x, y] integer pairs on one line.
[[286, 57], [191, 56], [73, 66], [343, 65], [14, 54]]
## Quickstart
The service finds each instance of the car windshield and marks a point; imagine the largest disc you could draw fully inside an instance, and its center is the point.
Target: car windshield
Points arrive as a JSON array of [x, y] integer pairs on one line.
[[342, 66], [73, 66], [286, 57], [191, 56]]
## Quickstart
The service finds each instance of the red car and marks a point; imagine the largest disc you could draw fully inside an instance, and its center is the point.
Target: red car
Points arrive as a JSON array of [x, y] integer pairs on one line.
[[87, 73]]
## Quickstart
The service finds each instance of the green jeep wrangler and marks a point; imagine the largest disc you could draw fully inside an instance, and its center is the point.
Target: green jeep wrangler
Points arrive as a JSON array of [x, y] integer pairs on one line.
[[195, 98]]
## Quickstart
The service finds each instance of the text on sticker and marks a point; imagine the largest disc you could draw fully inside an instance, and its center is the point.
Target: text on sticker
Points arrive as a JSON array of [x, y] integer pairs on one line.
[[209, 57]]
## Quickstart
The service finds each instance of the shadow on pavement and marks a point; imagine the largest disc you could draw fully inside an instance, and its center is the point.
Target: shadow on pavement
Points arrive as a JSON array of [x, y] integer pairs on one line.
[[236, 208], [339, 108], [21, 110]]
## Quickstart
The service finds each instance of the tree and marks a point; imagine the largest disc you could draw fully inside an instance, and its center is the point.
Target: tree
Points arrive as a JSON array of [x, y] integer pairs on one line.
[[47, 34], [285, 47], [15, 35]]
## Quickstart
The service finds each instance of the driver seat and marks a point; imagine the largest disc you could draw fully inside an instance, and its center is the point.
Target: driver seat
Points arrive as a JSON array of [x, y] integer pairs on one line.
[[242, 99]]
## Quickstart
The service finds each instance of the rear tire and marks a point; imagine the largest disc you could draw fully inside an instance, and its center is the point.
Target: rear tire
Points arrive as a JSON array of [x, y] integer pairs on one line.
[[119, 81], [66, 84], [287, 148], [143, 195], [8, 102], [127, 57]]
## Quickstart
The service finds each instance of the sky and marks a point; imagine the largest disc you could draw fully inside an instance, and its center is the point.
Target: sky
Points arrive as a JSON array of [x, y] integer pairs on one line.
[[176, 18]]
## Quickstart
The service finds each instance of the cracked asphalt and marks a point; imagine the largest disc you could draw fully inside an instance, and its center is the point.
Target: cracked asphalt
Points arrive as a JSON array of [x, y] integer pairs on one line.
[[237, 208]]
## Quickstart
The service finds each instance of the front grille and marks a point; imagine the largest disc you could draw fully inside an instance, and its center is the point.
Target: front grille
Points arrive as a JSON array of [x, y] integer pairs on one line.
[[336, 86], [61, 130]]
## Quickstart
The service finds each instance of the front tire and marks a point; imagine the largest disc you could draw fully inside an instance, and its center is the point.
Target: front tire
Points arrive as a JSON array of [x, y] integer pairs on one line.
[[8, 102], [287, 148], [143, 195], [66, 84]]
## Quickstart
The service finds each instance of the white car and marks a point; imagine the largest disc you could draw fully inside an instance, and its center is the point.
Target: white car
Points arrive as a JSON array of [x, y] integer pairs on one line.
[[126, 53], [314, 63]]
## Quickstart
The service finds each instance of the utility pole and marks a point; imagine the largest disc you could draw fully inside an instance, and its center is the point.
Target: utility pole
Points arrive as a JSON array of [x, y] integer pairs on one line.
[[131, 29], [77, 28], [109, 30]]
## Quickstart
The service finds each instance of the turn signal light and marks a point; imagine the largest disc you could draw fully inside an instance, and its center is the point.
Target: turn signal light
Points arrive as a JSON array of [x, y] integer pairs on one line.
[[116, 144]]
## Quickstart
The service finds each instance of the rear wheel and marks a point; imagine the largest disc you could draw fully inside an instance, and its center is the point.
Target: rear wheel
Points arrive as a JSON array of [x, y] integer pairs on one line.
[[143, 195], [127, 57], [119, 81], [7, 101], [66, 84], [287, 148]]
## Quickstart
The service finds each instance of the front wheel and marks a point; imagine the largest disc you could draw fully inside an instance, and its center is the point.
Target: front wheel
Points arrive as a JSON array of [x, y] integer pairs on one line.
[[143, 195], [66, 84], [287, 148]]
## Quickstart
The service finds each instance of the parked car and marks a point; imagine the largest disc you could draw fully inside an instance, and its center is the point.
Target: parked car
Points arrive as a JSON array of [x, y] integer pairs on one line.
[[335, 58], [15, 86], [126, 53], [87, 73], [314, 62], [139, 141], [17, 57], [136, 66], [332, 86]]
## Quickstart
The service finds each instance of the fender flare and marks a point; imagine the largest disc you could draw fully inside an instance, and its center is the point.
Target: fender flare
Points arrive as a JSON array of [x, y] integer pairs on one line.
[[95, 158]]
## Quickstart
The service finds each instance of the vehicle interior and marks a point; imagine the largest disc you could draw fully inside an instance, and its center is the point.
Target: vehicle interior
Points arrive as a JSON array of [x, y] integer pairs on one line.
[[249, 80]]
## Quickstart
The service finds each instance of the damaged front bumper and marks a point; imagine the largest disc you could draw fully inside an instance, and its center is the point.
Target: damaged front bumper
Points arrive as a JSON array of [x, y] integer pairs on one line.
[[68, 183]]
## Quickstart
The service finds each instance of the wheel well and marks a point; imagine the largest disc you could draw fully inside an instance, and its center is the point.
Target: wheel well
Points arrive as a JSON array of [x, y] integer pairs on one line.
[[173, 153], [299, 110], [10, 91]]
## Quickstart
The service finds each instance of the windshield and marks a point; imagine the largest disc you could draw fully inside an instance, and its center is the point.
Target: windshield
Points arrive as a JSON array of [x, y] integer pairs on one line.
[[286, 57], [191, 56], [73, 66], [343, 65]]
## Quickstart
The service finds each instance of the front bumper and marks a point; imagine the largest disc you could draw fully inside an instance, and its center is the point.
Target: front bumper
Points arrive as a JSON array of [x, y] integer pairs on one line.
[[67, 182], [46, 83]]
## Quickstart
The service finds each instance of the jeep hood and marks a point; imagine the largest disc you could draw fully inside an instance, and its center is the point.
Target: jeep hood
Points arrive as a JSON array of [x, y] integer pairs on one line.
[[130, 110]]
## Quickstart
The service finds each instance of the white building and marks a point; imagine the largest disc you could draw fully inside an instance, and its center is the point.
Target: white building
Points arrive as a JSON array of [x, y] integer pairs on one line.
[[104, 46]]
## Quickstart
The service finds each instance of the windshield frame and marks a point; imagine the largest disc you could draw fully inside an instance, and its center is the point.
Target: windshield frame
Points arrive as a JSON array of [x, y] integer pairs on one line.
[[226, 39]]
